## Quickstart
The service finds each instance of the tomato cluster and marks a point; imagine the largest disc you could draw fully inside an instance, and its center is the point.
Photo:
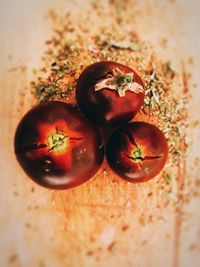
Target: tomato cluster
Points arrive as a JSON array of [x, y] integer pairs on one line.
[[60, 148]]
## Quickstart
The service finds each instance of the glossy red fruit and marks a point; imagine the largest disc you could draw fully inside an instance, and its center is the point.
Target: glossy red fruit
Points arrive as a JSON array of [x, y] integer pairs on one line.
[[57, 147], [109, 93], [137, 152]]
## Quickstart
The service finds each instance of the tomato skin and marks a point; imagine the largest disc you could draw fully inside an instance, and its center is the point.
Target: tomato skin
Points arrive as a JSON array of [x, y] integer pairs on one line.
[[63, 166], [105, 107], [137, 136]]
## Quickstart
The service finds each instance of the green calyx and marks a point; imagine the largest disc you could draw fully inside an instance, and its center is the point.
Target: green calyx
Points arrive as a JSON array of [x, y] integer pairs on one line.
[[127, 79], [137, 154], [122, 80], [119, 80], [57, 142]]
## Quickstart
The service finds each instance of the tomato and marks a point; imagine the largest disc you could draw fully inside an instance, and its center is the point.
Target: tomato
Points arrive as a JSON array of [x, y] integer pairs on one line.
[[109, 93], [137, 152], [57, 147]]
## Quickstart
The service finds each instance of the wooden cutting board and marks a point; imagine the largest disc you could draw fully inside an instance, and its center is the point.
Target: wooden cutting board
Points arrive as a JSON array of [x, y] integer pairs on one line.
[[105, 222]]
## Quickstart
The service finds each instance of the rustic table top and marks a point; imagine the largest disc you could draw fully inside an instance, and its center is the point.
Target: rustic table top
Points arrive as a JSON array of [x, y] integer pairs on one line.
[[103, 222]]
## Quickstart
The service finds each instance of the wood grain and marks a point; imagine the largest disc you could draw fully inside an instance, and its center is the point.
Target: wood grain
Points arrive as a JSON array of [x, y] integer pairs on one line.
[[105, 222]]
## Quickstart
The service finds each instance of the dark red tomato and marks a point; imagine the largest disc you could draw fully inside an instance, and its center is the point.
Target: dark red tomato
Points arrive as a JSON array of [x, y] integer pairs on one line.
[[57, 147], [137, 152], [109, 94]]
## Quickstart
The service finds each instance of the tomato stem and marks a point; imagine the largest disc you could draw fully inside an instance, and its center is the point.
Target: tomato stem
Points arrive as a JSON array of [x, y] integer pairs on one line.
[[137, 154], [58, 141]]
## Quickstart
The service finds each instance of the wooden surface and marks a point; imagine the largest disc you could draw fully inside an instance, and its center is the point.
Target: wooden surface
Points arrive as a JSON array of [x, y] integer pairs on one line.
[[105, 222]]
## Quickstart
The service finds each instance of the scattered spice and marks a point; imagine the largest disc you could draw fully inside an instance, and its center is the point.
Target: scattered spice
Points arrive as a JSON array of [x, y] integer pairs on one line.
[[124, 45], [111, 246], [142, 220], [50, 90], [168, 177], [90, 252], [167, 70], [125, 227], [74, 45]]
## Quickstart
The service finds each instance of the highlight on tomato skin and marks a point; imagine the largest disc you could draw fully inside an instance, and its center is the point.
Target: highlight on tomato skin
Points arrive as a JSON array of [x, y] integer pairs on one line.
[[57, 147], [137, 152], [109, 93]]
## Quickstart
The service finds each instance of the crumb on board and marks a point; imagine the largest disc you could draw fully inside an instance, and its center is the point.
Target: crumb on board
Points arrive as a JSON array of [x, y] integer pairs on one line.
[[13, 258], [125, 227]]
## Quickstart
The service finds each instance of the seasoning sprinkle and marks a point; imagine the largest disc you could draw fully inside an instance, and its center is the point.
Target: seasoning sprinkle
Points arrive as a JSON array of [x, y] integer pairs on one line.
[[75, 45]]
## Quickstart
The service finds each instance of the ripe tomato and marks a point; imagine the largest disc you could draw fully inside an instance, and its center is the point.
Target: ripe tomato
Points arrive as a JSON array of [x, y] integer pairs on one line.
[[137, 152], [109, 93], [57, 147]]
